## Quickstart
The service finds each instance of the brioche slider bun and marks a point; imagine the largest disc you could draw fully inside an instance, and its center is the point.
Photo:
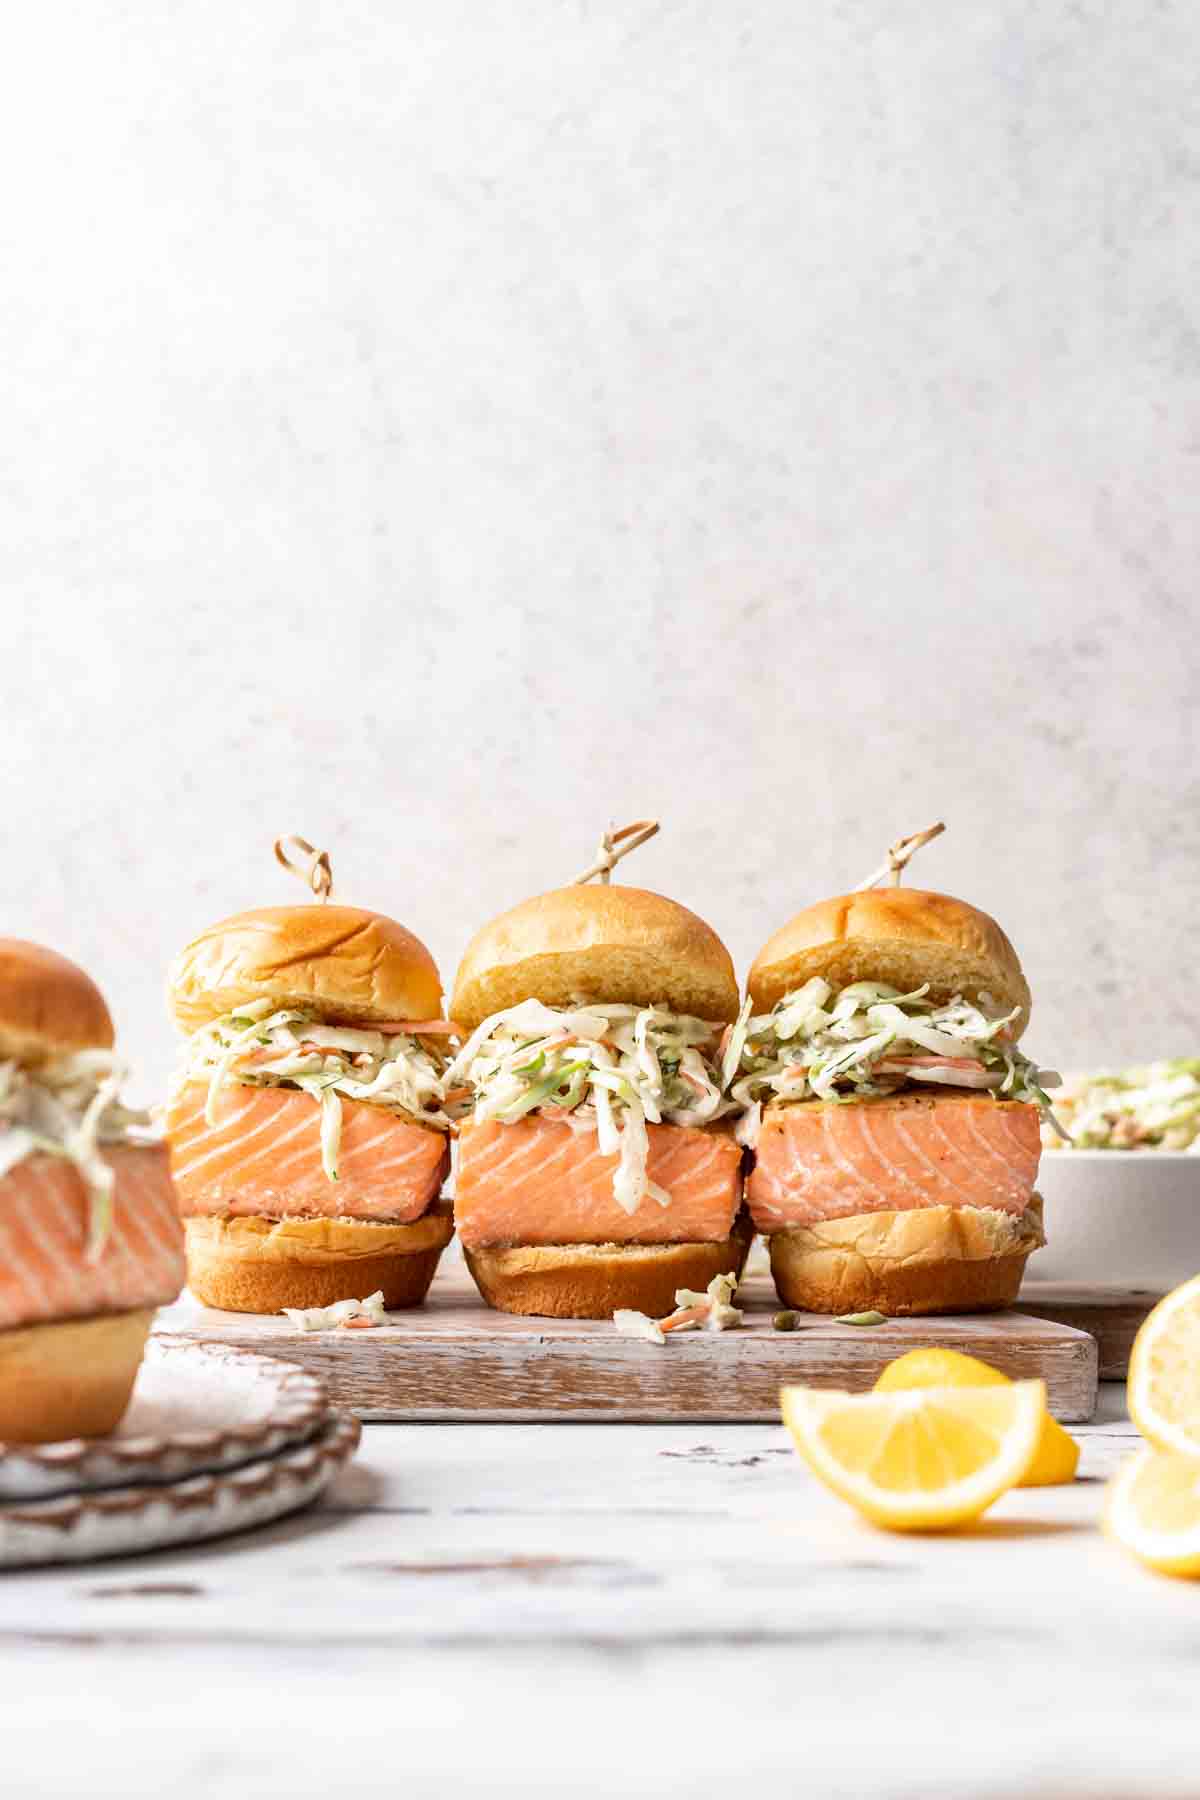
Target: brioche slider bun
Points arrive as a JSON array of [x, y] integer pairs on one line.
[[928, 1260], [904, 937], [584, 944], [261, 1265], [48, 1006], [347, 964], [591, 1281], [69, 1378]]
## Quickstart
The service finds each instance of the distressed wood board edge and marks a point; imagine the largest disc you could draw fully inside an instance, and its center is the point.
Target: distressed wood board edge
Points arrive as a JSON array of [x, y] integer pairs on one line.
[[1112, 1314], [450, 1364]]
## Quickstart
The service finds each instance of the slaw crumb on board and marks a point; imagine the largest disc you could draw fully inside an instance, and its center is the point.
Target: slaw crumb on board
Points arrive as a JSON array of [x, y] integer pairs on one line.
[[349, 1315], [713, 1311]]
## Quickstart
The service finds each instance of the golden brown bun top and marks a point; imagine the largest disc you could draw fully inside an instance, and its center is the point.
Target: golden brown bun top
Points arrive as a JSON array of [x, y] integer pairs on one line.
[[352, 966], [48, 1006], [902, 936], [584, 944]]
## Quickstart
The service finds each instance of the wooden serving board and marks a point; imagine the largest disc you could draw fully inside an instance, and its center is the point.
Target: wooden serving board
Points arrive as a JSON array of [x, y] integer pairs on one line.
[[1112, 1315], [454, 1359]]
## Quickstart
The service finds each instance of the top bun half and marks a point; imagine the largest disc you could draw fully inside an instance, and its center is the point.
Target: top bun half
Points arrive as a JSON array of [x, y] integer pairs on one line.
[[587, 945], [48, 1006], [902, 936], [351, 966]]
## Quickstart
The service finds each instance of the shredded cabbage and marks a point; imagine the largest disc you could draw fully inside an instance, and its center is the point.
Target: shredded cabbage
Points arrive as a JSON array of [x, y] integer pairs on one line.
[[256, 1046], [609, 1068], [69, 1107], [716, 1303], [328, 1318], [867, 1040], [1156, 1107], [638, 1325], [712, 1311]]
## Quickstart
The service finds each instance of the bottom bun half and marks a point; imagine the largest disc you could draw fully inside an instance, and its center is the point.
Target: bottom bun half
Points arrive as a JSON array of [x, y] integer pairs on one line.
[[259, 1265], [932, 1259], [590, 1281], [71, 1378]]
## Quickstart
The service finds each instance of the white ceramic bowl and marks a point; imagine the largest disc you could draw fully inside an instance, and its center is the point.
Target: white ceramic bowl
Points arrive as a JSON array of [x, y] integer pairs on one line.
[[1124, 1217]]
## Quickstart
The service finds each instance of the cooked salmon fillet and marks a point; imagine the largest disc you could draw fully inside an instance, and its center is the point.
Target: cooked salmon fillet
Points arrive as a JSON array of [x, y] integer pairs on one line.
[[540, 1182], [45, 1214], [821, 1160], [263, 1158]]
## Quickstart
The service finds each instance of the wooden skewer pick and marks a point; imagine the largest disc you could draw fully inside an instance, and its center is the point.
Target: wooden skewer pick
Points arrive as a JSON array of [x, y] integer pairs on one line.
[[899, 855], [314, 871], [613, 846]]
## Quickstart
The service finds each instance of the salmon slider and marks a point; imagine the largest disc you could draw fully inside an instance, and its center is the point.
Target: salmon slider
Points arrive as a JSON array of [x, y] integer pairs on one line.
[[894, 1122], [307, 1126], [598, 1167], [90, 1242]]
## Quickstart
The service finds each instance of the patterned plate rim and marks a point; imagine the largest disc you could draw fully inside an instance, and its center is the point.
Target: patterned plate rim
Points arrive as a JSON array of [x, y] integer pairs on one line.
[[334, 1445], [303, 1402]]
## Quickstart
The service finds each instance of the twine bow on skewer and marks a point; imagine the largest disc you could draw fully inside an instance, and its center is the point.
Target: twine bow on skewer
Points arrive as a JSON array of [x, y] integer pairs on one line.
[[898, 856], [613, 846], [314, 871]]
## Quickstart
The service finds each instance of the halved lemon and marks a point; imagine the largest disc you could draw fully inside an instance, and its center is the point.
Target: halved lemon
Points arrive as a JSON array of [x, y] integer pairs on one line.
[[1057, 1455], [1154, 1510], [1164, 1372], [924, 1459]]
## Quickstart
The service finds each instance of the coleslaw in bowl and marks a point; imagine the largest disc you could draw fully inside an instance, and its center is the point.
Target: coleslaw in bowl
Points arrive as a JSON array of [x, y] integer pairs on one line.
[[1153, 1107]]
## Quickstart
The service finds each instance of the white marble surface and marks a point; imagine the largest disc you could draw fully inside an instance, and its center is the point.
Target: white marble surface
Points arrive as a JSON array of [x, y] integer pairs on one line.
[[599, 1610], [438, 429]]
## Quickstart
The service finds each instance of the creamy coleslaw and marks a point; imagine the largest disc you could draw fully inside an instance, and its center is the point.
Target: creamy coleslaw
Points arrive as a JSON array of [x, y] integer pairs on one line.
[[612, 1069], [400, 1067], [869, 1040], [1156, 1107], [71, 1108]]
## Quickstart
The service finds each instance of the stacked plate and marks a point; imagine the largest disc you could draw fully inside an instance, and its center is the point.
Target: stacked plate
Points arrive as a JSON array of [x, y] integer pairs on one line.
[[215, 1440]]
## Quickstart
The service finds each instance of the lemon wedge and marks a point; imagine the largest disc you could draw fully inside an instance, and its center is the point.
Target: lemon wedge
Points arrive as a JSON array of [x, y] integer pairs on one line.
[[924, 1459], [1154, 1510], [929, 1367], [1057, 1455], [1164, 1372]]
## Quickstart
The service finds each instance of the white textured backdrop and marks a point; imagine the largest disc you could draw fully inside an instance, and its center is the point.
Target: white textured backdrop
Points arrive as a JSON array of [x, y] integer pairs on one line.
[[437, 429]]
